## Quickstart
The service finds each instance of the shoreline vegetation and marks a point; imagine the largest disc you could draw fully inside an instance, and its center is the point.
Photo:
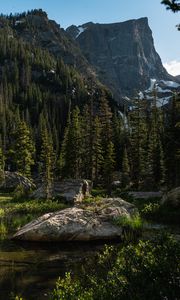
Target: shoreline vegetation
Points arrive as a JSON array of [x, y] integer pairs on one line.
[[138, 255]]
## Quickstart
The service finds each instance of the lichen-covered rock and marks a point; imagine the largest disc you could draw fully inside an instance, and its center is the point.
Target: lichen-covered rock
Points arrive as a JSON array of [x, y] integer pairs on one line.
[[172, 198], [77, 224], [11, 180], [115, 207]]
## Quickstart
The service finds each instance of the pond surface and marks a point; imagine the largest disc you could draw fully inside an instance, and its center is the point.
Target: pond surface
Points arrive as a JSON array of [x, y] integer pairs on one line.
[[31, 269]]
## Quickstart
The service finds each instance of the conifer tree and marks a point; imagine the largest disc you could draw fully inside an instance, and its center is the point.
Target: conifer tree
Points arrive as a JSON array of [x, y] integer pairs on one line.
[[23, 149], [108, 152], [138, 141], [47, 162], [172, 142], [125, 169], [87, 142], [2, 161], [155, 159], [108, 166], [71, 152], [97, 153], [119, 139]]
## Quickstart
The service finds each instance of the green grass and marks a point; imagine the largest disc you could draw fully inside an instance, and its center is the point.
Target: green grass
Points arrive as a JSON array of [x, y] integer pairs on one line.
[[135, 223], [100, 192], [15, 213], [12, 206]]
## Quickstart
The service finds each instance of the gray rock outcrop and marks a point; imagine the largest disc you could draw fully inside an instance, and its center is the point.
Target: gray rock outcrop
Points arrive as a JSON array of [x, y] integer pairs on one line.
[[122, 53], [172, 198], [77, 224], [69, 190], [11, 180]]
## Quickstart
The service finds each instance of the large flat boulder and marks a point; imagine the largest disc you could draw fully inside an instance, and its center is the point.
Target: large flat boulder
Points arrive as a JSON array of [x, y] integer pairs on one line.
[[69, 190], [77, 224]]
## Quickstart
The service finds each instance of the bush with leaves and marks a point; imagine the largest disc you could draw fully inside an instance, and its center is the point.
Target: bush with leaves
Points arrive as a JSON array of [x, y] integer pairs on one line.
[[148, 270]]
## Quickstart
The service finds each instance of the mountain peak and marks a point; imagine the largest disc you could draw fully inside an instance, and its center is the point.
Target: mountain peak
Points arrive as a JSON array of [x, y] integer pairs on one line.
[[123, 54]]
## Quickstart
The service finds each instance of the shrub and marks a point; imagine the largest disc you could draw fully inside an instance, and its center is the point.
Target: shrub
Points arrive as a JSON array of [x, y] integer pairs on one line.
[[19, 192], [148, 270], [3, 230], [2, 212]]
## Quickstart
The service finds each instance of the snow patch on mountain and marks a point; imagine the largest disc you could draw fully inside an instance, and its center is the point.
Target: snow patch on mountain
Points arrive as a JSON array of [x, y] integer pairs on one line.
[[81, 30], [152, 85], [163, 101], [162, 89], [171, 84]]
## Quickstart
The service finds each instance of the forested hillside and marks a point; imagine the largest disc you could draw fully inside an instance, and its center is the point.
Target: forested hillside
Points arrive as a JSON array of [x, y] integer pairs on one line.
[[57, 123]]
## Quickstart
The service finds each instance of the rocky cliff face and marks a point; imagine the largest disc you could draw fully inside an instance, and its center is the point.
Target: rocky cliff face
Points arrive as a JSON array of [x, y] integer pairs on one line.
[[122, 53], [38, 30]]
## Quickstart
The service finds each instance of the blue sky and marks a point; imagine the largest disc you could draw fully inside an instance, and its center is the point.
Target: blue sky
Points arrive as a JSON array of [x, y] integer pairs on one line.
[[68, 12]]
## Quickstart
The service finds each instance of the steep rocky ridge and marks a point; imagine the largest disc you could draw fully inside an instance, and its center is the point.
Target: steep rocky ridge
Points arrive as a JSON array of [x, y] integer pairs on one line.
[[35, 28], [122, 53]]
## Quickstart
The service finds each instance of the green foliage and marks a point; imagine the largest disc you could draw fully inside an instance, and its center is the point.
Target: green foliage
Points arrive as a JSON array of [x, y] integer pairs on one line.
[[150, 209], [2, 212], [23, 149], [12, 206], [3, 230], [125, 170], [71, 159], [20, 220], [33, 207], [97, 152], [108, 165], [16, 212], [161, 213], [65, 289], [19, 193], [91, 200], [132, 227], [17, 298], [149, 270], [99, 191], [2, 158], [172, 140], [47, 162], [134, 223]]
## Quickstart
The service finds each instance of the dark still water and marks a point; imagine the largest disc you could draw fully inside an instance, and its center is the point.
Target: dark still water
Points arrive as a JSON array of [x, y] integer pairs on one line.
[[31, 269]]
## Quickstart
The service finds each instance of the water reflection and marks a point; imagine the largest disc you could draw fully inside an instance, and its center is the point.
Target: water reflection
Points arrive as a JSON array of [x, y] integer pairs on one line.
[[31, 269]]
